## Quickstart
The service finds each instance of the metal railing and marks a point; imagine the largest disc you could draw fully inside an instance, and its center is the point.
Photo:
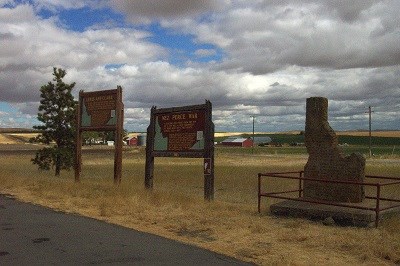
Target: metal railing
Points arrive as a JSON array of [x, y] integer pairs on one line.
[[382, 181]]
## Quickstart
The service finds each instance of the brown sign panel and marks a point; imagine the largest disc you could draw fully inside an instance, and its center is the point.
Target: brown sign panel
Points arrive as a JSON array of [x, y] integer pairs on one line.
[[179, 131], [98, 109]]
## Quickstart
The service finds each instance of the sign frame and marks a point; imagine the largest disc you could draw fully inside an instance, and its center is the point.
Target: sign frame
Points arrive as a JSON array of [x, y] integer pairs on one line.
[[109, 96], [206, 152]]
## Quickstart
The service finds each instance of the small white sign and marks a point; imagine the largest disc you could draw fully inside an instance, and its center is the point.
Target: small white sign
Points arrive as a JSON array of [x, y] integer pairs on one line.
[[207, 166], [199, 135], [112, 113]]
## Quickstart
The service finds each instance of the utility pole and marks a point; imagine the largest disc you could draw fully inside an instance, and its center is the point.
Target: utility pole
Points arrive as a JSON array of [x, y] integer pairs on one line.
[[252, 151], [370, 134]]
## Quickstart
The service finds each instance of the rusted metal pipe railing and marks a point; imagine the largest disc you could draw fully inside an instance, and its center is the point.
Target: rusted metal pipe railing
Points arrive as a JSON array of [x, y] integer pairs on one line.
[[378, 198]]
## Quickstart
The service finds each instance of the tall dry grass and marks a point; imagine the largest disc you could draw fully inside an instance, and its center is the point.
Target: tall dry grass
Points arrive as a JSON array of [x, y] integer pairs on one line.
[[176, 209]]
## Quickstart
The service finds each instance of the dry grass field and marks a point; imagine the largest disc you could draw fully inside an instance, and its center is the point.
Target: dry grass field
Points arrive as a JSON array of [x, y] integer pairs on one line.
[[175, 208], [24, 136], [217, 134], [6, 139], [16, 138], [383, 133], [393, 134]]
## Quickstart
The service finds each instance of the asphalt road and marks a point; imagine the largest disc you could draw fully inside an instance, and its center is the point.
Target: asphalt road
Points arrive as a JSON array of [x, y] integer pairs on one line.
[[34, 235]]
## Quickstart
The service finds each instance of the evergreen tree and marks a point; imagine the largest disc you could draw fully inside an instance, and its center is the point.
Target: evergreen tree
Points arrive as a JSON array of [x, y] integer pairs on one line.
[[57, 114]]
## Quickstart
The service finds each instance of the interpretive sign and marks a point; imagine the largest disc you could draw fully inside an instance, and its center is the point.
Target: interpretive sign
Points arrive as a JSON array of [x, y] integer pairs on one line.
[[179, 131], [186, 131], [100, 111]]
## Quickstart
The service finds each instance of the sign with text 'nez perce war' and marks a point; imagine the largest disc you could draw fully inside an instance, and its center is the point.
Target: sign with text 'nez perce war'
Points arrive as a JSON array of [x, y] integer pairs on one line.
[[179, 131], [186, 131]]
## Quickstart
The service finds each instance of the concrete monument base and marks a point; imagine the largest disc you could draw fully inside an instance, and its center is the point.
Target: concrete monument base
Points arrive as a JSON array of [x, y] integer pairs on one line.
[[340, 215]]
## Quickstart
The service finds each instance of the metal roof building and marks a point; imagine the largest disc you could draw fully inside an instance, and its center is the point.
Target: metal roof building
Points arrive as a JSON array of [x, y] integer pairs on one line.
[[238, 142], [262, 140]]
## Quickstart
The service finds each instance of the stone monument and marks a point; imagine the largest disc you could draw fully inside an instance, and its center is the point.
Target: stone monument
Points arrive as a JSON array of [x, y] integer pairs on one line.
[[330, 201], [326, 161]]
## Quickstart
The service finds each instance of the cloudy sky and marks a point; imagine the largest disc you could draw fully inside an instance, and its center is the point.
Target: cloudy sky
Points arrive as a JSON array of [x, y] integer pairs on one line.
[[250, 58]]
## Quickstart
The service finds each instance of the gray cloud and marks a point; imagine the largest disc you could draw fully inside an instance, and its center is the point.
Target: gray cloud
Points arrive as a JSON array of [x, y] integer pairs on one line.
[[276, 54], [145, 11], [350, 11], [266, 36]]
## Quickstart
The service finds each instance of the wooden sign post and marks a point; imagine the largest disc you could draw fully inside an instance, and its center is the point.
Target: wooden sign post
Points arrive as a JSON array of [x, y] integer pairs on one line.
[[186, 131], [100, 111]]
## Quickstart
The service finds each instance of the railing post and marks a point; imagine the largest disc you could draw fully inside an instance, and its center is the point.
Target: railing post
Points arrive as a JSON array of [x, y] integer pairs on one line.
[[259, 193], [378, 196], [300, 185]]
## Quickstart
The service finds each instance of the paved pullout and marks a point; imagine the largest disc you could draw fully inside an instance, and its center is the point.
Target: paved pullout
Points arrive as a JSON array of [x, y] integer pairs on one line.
[[34, 235]]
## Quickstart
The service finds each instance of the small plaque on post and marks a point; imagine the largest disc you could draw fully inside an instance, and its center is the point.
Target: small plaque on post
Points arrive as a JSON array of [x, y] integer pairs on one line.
[[207, 166]]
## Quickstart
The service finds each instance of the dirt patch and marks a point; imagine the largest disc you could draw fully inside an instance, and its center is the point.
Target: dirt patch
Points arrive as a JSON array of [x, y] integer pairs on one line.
[[204, 235]]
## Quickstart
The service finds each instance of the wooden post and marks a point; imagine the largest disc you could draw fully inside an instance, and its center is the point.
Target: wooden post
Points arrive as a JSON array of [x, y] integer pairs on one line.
[[100, 101], [209, 153], [78, 141], [149, 167], [252, 146], [118, 137]]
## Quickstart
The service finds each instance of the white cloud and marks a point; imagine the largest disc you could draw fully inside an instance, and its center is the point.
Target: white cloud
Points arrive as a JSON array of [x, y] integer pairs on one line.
[[31, 46], [205, 52], [33, 42], [7, 2], [275, 55], [54, 5], [262, 37]]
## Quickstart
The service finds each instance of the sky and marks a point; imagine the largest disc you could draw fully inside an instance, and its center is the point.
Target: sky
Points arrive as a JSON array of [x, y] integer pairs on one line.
[[249, 58]]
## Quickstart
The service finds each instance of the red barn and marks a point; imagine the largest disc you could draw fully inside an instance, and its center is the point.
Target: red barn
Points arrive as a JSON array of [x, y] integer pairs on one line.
[[132, 141], [239, 142]]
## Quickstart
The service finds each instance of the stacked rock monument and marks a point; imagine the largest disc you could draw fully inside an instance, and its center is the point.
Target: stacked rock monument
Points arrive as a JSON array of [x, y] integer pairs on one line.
[[327, 162], [333, 186]]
